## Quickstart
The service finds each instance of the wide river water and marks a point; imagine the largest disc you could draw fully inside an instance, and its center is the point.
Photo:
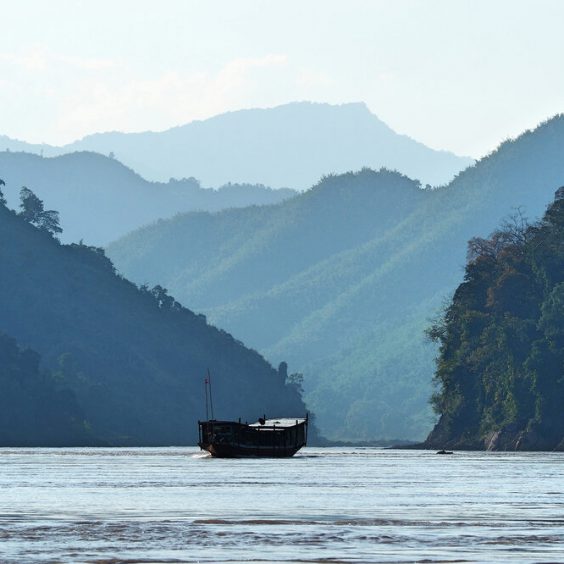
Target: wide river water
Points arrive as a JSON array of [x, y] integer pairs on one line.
[[324, 505]]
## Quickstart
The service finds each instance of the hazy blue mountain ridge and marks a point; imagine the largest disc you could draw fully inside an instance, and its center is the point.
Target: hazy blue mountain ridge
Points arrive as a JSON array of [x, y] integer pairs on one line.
[[100, 199], [224, 243], [291, 145]]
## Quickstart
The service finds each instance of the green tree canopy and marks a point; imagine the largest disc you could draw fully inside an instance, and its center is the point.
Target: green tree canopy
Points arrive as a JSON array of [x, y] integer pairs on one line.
[[500, 370]]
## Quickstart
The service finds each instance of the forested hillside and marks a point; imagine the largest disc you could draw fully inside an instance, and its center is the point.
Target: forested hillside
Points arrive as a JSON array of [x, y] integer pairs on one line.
[[500, 378], [290, 145], [100, 199], [36, 409], [342, 280], [133, 357]]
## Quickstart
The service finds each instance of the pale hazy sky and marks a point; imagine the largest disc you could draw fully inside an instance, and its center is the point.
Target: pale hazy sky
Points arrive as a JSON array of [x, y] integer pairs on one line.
[[457, 75]]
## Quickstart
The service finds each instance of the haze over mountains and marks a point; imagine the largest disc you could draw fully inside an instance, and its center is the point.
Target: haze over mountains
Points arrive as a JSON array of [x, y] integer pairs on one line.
[[339, 281], [100, 199], [342, 280], [288, 146]]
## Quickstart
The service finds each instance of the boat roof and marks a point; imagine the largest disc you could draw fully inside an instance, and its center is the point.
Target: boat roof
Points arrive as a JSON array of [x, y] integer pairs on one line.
[[283, 422]]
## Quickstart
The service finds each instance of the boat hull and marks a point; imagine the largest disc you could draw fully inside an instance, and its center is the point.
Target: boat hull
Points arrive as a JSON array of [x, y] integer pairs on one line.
[[230, 439], [239, 451]]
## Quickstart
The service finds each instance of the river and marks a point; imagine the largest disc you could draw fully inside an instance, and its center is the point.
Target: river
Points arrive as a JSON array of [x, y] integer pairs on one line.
[[353, 505]]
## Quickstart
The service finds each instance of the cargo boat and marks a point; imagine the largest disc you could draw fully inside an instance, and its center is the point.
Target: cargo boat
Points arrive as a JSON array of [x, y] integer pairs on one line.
[[276, 438]]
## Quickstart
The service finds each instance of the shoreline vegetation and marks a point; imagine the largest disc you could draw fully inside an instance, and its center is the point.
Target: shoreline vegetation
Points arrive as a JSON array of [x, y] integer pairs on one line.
[[499, 370]]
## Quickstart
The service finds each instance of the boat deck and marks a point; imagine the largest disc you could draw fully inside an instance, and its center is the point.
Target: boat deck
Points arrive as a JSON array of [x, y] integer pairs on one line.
[[281, 423]]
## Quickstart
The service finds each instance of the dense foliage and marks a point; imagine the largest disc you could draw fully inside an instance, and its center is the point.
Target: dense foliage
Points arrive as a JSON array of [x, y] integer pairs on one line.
[[134, 357], [342, 280], [501, 366], [36, 409]]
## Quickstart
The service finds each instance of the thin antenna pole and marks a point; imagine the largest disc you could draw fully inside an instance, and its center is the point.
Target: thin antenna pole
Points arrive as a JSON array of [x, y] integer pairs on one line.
[[206, 389], [211, 397]]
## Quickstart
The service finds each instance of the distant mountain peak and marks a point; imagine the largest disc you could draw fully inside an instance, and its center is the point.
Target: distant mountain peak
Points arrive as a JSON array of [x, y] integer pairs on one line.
[[290, 145], [297, 108]]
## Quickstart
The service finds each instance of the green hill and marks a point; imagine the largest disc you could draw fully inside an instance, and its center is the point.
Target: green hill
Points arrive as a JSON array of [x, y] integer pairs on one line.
[[501, 339], [341, 281], [133, 358], [100, 199]]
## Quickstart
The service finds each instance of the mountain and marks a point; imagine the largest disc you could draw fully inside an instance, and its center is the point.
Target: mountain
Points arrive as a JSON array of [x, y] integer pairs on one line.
[[501, 339], [291, 145], [100, 199], [133, 357], [342, 280]]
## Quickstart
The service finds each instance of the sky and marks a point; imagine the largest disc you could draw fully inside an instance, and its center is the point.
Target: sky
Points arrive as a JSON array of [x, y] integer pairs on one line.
[[453, 74]]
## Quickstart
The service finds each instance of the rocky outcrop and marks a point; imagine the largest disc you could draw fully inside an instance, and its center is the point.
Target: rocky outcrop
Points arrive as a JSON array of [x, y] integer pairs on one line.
[[512, 437]]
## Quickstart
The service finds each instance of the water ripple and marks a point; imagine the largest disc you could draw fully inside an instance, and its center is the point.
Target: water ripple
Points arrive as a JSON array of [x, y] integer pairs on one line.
[[118, 506]]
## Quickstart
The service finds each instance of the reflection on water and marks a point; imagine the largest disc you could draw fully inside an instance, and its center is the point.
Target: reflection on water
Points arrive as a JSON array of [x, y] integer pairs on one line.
[[324, 505]]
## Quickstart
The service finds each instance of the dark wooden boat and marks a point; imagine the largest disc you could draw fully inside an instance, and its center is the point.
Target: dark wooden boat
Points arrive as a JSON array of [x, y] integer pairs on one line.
[[265, 438]]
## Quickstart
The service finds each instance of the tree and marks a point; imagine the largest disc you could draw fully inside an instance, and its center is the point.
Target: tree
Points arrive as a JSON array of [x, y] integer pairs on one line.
[[31, 205], [33, 211], [296, 380], [49, 221], [2, 198], [162, 298], [283, 370]]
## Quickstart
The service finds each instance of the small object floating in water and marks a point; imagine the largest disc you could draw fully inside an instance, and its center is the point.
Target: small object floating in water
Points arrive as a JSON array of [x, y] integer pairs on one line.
[[272, 438], [443, 451]]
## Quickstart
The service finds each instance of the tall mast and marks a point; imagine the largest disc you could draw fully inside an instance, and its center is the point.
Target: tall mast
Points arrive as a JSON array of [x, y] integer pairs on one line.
[[211, 397], [206, 390]]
